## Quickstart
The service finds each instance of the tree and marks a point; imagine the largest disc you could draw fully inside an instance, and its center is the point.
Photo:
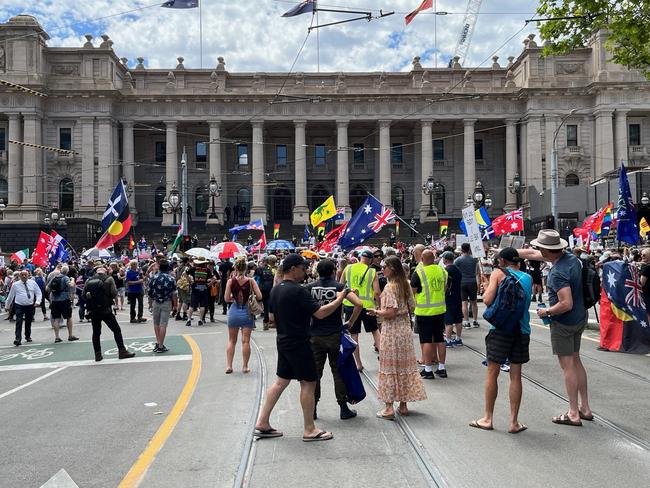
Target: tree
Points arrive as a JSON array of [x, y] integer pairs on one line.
[[577, 20]]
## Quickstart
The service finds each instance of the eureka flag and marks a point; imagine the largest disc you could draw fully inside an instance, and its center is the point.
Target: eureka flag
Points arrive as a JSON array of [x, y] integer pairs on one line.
[[324, 212]]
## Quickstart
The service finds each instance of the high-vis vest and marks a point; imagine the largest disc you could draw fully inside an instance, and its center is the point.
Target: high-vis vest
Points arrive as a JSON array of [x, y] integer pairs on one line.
[[433, 282], [355, 279]]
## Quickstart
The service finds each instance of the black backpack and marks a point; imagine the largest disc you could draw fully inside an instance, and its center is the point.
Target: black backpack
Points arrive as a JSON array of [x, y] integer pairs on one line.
[[96, 295], [266, 280], [58, 284], [590, 285]]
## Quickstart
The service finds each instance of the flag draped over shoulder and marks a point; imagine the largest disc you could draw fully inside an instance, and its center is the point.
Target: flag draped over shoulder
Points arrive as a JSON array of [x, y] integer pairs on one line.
[[426, 4], [627, 229], [117, 218], [369, 219], [302, 8], [324, 212], [181, 4]]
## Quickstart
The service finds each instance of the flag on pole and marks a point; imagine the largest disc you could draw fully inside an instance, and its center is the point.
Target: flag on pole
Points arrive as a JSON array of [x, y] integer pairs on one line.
[[321, 230], [303, 7], [131, 243], [178, 239], [627, 229], [509, 222], [39, 258], [181, 4], [426, 4], [444, 228], [482, 219], [276, 231], [368, 220], [57, 252], [397, 227], [332, 238], [324, 212], [256, 225], [305, 234], [117, 218], [20, 256]]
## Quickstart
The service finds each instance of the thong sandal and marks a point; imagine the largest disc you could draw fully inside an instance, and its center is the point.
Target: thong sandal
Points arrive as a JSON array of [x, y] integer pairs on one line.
[[229, 371], [565, 420], [246, 370], [267, 433], [385, 416], [520, 428], [475, 424], [321, 436]]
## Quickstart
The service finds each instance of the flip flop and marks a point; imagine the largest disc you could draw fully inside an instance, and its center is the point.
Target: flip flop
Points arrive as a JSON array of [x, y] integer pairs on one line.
[[589, 418], [267, 433], [521, 428], [475, 424], [321, 436], [229, 371], [565, 420], [385, 416], [246, 370]]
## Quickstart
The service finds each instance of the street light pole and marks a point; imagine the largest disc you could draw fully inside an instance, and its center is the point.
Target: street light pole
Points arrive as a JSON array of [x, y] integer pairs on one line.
[[184, 192], [554, 169]]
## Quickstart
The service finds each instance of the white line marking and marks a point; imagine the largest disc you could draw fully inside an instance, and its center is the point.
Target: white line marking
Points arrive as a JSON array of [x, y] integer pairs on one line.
[[60, 480], [90, 362], [36, 380]]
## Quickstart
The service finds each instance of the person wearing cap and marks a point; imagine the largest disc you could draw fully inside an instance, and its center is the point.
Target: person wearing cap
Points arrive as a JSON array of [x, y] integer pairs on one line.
[[568, 318], [362, 278], [453, 301], [501, 346], [264, 277], [292, 308]]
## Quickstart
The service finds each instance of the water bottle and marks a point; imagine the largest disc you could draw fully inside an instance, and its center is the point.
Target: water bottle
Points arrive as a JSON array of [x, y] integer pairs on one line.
[[545, 320]]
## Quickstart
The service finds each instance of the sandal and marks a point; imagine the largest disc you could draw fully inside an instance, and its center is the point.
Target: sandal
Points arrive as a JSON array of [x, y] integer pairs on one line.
[[385, 416], [229, 371], [584, 416], [321, 436], [475, 424], [267, 433], [565, 420], [246, 370]]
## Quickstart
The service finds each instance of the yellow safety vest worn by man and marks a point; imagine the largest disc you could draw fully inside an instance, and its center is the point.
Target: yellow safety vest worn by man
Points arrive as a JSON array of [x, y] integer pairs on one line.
[[360, 277], [430, 300]]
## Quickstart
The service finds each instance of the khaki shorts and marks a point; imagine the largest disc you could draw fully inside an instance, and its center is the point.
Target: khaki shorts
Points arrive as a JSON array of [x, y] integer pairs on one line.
[[161, 312], [565, 339]]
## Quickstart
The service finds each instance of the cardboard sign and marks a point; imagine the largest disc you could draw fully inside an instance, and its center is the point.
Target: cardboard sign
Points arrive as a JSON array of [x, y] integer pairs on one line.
[[473, 232]]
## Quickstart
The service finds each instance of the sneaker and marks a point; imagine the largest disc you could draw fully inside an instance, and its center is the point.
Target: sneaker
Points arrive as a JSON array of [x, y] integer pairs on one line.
[[505, 367], [28, 339], [475, 325], [142, 319], [155, 349], [427, 375], [200, 323], [71, 338], [458, 342], [346, 412], [57, 340], [466, 325], [442, 373], [133, 321], [188, 323], [449, 343], [162, 349]]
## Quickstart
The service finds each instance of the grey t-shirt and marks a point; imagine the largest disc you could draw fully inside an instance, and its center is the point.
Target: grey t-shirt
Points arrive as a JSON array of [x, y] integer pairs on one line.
[[567, 271], [468, 268]]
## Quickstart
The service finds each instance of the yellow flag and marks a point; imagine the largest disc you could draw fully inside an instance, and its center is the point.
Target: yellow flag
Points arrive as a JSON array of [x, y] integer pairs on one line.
[[326, 211], [644, 227]]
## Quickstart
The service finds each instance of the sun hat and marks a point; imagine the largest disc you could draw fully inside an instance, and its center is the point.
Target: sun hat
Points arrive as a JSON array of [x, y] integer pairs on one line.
[[200, 260], [509, 254], [549, 239]]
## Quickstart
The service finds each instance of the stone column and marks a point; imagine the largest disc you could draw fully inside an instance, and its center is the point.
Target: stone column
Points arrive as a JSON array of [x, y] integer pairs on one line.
[[534, 154], [511, 162], [171, 168], [469, 161], [427, 165], [214, 155], [343, 167], [88, 188], [384, 162], [31, 161], [15, 162], [105, 181], [604, 143], [128, 163], [621, 137], [258, 207], [301, 209]]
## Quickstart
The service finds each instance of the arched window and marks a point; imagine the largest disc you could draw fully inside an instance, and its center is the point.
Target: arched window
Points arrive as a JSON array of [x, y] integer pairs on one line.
[[243, 203], [439, 199], [397, 200], [318, 196], [159, 198], [357, 196], [4, 191], [571, 179], [66, 195], [201, 202]]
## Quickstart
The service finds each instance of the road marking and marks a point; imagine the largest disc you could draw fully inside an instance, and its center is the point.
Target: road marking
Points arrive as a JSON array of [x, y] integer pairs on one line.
[[29, 383], [60, 480], [92, 362], [135, 475]]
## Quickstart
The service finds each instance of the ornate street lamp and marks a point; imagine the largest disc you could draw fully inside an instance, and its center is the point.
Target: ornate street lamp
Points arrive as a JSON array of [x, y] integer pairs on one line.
[[488, 201], [478, 197], [431, 187], [645, 200], [214, 189], [2, 208], [517, 188], [172, 203], [54, 219]]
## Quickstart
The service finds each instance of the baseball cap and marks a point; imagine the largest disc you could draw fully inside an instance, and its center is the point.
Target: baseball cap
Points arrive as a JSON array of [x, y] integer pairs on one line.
[[509, 254], [367, 253], [448, 256], [293, 260]]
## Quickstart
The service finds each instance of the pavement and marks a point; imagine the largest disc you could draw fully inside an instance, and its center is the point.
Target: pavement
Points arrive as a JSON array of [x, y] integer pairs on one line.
[[176, 420]]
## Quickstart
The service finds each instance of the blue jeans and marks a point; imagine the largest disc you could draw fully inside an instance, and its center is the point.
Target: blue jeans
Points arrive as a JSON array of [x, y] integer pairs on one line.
[[26, 313]]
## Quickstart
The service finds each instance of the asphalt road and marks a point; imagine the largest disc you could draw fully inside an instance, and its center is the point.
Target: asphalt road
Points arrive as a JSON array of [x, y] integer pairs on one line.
[[99, 422]]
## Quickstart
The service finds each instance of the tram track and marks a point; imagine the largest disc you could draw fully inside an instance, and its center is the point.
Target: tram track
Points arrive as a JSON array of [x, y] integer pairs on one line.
[[428, 468], [633, 438]]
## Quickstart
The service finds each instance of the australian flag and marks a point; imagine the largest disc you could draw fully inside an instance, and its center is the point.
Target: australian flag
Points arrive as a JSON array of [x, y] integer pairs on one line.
[[181, 4], [368, 220], [256, 225], [627, 229], [57, 249], [302, 8]]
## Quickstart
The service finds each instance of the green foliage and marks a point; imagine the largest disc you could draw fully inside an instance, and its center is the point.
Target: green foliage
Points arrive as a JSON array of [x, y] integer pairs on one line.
[[628, 22]]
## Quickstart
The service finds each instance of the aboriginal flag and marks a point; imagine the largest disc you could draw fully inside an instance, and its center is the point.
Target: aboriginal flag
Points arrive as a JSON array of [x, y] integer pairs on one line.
[[120, 222]]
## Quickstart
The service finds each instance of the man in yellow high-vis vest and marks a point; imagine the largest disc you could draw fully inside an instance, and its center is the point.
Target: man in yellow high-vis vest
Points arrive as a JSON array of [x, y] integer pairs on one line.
[[362, 278], [429, 283]]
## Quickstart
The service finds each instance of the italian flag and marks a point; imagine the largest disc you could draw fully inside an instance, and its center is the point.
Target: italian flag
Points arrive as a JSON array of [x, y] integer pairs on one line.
[[178, 240], [20, 256]]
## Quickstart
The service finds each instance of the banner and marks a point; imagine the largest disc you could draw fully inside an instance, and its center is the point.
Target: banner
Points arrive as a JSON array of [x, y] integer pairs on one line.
[[473, 232]]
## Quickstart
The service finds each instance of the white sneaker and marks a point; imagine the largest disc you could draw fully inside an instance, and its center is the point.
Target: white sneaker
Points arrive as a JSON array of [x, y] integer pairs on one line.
[[467, 325]]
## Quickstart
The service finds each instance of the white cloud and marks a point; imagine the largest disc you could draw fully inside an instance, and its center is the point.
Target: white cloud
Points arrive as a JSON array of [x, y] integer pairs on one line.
[[252, 36]]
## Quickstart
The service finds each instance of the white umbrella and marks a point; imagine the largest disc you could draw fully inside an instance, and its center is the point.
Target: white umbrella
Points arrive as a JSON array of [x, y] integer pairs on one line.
[[198, 252], [225, 250], [93, 252]]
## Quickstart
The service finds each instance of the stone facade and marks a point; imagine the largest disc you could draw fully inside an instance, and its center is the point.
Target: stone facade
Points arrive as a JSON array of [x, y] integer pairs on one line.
[[279, 143]]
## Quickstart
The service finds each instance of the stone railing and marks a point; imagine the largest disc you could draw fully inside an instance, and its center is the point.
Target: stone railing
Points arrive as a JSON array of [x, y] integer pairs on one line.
[[573, 152]]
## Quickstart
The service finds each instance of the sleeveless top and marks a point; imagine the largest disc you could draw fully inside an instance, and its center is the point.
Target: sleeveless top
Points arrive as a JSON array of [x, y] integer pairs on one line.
[[240, 292]]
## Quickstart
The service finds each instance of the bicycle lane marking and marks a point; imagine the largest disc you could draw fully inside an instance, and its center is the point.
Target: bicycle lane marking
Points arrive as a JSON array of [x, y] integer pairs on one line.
[[30, 383], [137, 472]]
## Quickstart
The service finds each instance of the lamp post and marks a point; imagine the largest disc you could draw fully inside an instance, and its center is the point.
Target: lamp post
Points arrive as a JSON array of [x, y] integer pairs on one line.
[[478, 197], [172, 203], [517, 188], [214, 189], [54, 219], [431, 187], [645, 200], [2, 208], [554, 168]]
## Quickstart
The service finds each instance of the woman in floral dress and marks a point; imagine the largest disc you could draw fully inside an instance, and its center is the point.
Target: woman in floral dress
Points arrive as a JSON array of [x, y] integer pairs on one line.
[[399, 380]]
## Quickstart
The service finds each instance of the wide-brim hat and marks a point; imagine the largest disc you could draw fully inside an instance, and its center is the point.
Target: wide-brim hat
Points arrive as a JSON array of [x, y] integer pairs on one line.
[[549, 239], [200, 260]]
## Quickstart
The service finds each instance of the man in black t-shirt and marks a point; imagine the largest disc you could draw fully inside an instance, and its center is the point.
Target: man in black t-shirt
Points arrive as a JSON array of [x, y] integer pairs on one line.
[[264, 277], [292, 308], [326, 333], [225, 267]]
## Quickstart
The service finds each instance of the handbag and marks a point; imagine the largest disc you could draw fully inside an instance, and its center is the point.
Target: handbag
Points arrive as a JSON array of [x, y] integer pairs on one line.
[[254, 307]]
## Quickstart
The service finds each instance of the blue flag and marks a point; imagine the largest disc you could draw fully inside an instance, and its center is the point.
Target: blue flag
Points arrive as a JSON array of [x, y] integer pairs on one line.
[[115, 205], [484, 224], [257, 225], [302, 8], [627, 229], [181, 4], [369, 219]]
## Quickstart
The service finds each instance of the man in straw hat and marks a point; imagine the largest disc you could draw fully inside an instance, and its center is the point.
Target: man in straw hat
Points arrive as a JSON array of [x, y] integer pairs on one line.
[[201, 279], [568, 319]]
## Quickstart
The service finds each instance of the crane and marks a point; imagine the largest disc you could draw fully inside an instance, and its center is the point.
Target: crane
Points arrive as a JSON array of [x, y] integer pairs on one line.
[[465, 39]]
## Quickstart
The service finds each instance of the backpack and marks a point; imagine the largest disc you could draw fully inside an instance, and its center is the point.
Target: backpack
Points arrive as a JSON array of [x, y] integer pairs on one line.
[[58, 285], [95, 294], [508, 308], [266, 279], [590, 286]]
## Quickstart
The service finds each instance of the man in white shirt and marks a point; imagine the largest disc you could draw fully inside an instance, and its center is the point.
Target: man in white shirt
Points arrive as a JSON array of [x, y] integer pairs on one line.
[[26, 296]]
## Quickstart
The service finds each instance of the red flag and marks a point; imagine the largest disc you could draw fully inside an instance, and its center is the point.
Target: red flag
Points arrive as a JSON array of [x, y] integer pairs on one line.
[[331, 238], [131, 243], [507, 223], [423, 6], [584, 230], [40, 256]]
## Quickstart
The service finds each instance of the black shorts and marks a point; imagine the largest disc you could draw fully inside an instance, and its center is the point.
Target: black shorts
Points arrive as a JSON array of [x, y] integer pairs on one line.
[[501, 347], [369, 323], [61, 310], [537, 277], [431, 328], [200, 299], [296, 362], [468, 291], [454, 313]]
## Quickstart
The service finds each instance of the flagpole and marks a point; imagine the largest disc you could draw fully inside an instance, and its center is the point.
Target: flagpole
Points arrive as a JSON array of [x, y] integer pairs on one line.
[[435, 31], [200, 34]]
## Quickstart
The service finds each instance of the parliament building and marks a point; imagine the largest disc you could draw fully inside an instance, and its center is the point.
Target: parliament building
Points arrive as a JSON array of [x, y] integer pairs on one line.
[[275, 145]]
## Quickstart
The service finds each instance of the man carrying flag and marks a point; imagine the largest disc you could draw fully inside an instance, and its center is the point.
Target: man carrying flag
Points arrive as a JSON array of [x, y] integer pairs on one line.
[[117, 218], [324, 212]]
